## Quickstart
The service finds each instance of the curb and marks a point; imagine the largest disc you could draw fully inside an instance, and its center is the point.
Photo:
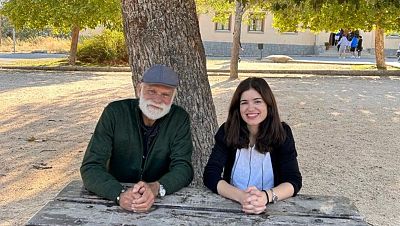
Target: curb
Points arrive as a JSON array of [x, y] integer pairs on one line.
[[69, 68], [313, 72], [218, 72]]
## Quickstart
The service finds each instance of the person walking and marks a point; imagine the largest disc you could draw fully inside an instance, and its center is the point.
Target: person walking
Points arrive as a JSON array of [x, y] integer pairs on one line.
[[359, 46], [343, 43], [353, 46]]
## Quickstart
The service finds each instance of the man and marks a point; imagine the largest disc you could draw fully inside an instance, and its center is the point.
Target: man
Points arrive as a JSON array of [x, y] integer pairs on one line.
[[146, 141]]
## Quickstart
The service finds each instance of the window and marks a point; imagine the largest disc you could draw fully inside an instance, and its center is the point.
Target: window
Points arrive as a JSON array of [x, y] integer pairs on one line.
[[256, 25], [393, 36], [223, 26]]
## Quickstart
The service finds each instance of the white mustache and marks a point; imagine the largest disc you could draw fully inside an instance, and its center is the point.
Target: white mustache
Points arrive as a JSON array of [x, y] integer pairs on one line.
[[152, 110]]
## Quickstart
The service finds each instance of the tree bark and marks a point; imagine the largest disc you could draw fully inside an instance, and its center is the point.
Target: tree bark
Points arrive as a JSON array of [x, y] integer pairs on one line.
[[237, 29], [380, 48], [167, 32], [74, 45]]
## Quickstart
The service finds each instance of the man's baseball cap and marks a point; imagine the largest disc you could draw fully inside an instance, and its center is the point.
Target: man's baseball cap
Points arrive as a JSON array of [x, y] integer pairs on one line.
[[162, 75]]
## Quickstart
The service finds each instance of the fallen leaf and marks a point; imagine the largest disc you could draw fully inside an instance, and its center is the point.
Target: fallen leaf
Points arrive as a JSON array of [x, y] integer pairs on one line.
[[41, 166]]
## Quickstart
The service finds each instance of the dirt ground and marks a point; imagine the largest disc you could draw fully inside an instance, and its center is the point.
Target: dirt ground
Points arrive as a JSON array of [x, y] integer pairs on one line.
[[346, 131]]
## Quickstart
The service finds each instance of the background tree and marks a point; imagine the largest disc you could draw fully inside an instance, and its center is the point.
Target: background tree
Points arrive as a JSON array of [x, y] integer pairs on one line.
[[222, 10], [332, 15], [167, 32], [63, 16]]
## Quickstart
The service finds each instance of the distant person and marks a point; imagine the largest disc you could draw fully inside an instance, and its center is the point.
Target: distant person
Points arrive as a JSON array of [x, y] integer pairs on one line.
[[353, 46], [398, 53], [340, 35], [254, 158], [359, 46], [343, 43], [145, 141], [337, 37]]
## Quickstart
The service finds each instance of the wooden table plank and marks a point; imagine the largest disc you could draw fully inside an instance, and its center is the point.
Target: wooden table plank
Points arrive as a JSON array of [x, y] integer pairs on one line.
[[203, 199], [70, 213], [74, 205]]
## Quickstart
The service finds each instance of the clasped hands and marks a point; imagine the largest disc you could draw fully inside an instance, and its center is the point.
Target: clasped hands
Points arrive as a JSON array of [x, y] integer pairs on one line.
[[253, 201], [140, 197]]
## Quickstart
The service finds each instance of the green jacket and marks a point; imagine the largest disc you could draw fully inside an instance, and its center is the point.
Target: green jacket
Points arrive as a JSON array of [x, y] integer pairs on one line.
[[115, 151]]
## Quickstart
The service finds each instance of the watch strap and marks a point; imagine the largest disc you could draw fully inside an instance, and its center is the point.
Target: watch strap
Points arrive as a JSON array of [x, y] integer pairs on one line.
[[119, 196], [274, 196]]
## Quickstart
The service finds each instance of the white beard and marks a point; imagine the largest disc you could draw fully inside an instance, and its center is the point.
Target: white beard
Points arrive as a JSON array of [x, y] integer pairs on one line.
[[153, 113]]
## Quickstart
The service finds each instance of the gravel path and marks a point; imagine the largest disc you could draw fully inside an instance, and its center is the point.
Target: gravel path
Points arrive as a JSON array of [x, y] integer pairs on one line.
[[346, 131]]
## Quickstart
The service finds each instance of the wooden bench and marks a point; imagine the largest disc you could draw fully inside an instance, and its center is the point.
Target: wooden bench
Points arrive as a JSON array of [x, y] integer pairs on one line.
[[193, 206]]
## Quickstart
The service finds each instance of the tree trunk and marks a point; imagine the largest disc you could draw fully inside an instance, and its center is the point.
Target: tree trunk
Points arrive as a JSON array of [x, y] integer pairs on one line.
[[237, 29], [74, 45], [380, 48], [167, 32]]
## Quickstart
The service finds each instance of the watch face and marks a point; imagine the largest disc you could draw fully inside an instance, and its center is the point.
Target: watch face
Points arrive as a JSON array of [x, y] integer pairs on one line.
[[275, 198], [162, 191]]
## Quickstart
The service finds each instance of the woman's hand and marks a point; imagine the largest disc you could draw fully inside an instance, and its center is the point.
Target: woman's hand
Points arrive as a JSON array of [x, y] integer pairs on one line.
[[252, 200], [255, 201]]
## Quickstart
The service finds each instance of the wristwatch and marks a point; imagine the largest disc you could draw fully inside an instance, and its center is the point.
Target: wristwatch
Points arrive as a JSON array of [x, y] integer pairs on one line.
[[162, 191], [274, 196], [118, 197]]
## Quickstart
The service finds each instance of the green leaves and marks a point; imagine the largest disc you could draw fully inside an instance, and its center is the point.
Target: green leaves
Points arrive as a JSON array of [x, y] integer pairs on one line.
[[223, 9], [61, 15], [330, 15]]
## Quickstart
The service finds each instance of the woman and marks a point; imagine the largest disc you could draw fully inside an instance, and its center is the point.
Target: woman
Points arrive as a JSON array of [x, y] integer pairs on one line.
[[254, 150]]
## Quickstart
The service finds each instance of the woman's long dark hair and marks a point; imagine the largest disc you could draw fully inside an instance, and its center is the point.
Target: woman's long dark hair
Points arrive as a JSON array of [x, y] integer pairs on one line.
[[270, 131]]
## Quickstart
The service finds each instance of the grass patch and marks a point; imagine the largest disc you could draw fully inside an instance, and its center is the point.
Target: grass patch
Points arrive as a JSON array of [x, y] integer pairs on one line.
[[51, 63], [49, 44], [35, 62], [83, 64], [370, 67]]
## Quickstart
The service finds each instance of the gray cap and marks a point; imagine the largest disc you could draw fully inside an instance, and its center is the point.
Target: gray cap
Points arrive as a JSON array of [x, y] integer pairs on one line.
[[162, 75]]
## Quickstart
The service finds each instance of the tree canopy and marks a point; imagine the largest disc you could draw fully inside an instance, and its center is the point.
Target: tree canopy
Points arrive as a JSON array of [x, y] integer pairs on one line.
[[62, 15], [223, 9], [331, 15]]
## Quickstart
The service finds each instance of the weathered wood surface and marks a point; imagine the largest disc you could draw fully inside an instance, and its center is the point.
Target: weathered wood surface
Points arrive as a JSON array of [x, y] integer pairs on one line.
[[193, 206]]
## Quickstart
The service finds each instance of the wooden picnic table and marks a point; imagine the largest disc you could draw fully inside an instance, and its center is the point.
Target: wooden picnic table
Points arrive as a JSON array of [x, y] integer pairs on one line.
[[74, 205]]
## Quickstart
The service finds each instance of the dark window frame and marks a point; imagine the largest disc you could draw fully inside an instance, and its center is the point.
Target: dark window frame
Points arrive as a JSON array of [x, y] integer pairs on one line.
[[253, 26]]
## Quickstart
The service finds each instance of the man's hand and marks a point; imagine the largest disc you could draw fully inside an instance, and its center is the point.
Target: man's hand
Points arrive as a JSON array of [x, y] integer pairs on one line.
[[147, 192], [126, 199]]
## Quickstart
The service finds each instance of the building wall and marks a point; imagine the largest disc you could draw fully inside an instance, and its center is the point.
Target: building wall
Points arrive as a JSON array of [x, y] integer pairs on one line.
[[218, 43], [222, 49]]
